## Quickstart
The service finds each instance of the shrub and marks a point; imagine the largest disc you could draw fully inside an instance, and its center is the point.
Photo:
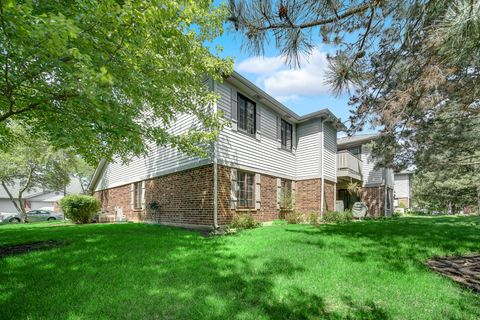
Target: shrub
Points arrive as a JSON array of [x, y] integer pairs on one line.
[[337, 217], [244, 221], [79, 208], [294, 217], [313, 218]]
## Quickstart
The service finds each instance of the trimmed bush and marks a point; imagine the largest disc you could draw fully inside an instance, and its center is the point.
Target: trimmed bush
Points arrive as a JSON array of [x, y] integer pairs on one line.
[[79, 208], [294, 217], [244, 221], [337, 217]]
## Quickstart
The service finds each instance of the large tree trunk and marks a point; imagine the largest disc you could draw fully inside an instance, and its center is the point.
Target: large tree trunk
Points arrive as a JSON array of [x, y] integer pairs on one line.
[[19, 210], [22, 207]]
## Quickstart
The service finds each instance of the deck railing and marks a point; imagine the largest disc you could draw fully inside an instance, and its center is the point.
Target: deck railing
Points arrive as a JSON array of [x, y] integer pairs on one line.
[[347, 162]]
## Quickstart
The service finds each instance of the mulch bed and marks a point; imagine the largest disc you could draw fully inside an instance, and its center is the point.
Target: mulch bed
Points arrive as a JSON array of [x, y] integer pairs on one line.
[[29, 247], [464, 270]]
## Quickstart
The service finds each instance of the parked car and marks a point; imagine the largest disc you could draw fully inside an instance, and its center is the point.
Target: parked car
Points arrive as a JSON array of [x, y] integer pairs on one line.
[[32, 216]]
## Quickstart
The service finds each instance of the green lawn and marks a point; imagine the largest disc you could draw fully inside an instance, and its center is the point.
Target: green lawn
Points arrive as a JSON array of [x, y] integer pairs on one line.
[[366, 270]]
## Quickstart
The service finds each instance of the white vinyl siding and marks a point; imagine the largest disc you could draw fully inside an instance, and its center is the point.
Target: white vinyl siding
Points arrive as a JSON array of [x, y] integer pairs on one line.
[[330, 152], [241, 150], [371, 176], [160, 160], [309, 150], [402, 186]]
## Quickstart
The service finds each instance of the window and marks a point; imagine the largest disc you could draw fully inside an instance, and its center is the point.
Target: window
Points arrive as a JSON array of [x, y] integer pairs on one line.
[[356, 151], [286, 133], [137, 195], [286, 196], [246, 115], [245, 189]]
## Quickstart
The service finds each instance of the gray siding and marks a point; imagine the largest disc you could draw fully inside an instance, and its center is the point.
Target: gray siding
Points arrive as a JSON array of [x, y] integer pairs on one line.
[[330, 152], [402, 186], [371, 176], [159, 161], [259, 153], [309, 150]]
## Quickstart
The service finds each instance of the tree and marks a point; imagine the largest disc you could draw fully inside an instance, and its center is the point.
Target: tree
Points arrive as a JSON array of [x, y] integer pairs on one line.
[[108, 77], [33, 164], [413, 68]]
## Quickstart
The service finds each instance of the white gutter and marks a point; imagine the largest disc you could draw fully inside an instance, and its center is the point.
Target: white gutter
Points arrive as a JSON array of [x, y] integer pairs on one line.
[[322, 196], [215, 175]]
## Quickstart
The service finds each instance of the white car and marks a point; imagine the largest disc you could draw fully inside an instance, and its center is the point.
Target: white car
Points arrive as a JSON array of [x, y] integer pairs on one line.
[[32, 216]]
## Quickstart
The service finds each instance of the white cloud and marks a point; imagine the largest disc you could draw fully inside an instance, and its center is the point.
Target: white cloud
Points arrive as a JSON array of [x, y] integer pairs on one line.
[[289, 84], [285, 99], [260, 65]]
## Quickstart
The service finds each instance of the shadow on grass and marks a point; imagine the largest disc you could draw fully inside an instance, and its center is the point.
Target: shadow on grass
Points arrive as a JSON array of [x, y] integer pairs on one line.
[[144, 271]]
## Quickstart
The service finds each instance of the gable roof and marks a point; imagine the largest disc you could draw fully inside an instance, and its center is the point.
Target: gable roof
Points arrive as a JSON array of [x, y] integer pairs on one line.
[[356, 140]]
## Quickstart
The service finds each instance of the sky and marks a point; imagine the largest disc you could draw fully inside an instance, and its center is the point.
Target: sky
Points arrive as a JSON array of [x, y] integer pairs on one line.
[[302, 90]]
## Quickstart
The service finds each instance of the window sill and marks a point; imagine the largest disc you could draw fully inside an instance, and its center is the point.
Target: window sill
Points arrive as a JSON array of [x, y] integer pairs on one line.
[[245, 209], [286, 149], [253, 136]]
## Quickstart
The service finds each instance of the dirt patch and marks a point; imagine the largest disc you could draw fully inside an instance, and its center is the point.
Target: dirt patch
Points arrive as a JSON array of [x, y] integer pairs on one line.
[[31, 246], [465, 269]]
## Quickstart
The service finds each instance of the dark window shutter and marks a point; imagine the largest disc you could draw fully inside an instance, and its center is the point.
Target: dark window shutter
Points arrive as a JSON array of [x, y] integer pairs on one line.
[[258, 122]]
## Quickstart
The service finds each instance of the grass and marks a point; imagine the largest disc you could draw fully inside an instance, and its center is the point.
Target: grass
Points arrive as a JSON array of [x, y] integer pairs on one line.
[[365, 270]]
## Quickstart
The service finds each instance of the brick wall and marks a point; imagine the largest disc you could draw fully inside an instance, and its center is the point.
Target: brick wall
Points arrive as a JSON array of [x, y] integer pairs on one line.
[[374, 198], [184, 198], [116, 197], [268, 198], [309, 195]]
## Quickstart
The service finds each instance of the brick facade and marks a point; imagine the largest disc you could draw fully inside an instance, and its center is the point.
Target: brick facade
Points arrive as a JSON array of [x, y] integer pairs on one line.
[[309, 195], [374, 198], [186, 198]]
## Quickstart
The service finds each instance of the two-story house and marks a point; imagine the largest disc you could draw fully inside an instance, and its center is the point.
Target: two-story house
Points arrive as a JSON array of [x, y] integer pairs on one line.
[[357, 166], [266, 152]]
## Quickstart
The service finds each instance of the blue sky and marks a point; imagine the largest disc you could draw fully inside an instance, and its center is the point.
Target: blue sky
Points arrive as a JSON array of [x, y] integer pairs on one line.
[[302, 90]]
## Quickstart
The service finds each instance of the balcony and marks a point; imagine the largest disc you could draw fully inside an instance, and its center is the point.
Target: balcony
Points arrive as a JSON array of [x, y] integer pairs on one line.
[[348, 166]]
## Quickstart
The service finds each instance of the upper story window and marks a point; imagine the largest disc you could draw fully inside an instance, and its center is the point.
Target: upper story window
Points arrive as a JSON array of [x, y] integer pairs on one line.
[[356, 151], [246, 114], [286, 133], [245, 189]]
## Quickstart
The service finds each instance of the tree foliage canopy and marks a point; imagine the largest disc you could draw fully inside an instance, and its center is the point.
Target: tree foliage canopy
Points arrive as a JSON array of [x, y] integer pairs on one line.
[[31, 163], [107, 77]]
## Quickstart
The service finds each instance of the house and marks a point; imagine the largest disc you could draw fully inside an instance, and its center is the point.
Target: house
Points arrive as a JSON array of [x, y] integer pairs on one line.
[[38, 198], [266, 154], [403, 189], [358, 167]]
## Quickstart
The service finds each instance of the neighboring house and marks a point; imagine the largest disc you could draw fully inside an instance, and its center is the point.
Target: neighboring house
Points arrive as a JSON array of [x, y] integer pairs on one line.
[[356, 164], [403, 189], [267, 151], [37, 199]]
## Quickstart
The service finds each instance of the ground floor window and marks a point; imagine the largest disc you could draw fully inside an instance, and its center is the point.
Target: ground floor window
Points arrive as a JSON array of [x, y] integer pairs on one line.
[[245, 189], [286, 196], [137, 195]]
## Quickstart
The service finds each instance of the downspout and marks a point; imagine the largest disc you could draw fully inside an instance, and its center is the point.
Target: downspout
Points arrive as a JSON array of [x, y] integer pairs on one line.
[[322, 199], [215, 173], [385, 195]]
